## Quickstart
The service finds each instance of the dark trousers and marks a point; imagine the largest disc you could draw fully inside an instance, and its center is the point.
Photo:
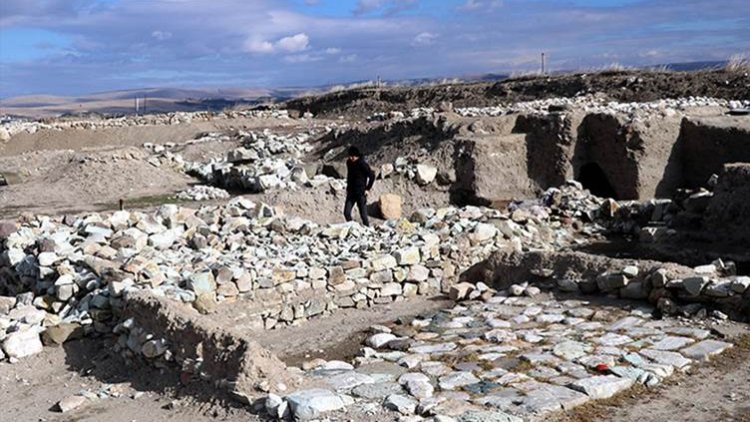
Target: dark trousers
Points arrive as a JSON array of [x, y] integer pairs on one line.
[[361, 201]]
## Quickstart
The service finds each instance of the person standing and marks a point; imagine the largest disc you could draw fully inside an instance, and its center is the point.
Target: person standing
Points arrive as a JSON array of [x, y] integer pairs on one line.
[[359, 180]]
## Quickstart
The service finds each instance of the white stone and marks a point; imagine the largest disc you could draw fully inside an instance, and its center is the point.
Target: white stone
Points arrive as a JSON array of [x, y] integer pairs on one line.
[[457, 379], [602, 387], [408, 256], [22, 343], [71, 403], [425, 174], [348, 380], [401, 403], [664, 357], [672, 343], [704, 350], [379, 340], [311, 404], [47, 259]]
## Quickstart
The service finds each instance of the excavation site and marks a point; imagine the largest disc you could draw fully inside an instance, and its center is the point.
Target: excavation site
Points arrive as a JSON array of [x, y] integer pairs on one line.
[[542, 248]]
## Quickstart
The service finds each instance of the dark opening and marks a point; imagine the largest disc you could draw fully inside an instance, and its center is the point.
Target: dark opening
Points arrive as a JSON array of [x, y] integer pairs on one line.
[[592, 177]]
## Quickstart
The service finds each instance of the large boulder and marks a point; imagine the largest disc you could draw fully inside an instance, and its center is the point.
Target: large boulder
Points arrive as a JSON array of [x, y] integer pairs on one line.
[[22, 343], [311, 404], [390, 206]]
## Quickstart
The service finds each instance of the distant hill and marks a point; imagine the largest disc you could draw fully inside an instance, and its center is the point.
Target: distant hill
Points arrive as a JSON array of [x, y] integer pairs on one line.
[[149, 100], [196, 99]]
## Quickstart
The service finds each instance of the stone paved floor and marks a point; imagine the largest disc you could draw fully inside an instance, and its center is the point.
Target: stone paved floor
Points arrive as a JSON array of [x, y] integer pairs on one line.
[[513, 357]]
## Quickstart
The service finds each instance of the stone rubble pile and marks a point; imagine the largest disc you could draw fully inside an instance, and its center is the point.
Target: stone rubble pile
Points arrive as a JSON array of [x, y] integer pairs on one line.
[[596, 104], [421, 173], [164, 155], [502, 357], [650, 221], [269, 161], [134, 342], [203, 193], [75, 270], [587, 103], [659, 219], [16, 126], [382, 117], [266, 161]]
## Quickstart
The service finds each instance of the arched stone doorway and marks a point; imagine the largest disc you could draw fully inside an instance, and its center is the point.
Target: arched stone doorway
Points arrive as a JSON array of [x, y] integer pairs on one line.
[[592, 177]]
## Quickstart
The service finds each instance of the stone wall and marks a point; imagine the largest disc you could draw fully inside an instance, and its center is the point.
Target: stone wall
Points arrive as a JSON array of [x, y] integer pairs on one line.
[[728, 213], [493, 168], [641, 159], [550, 140], [666, 285], [219, 354], [711, 142]]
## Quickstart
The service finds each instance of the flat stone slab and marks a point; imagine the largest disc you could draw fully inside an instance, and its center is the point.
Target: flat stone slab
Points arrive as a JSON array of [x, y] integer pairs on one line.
[[377, 391], [487, 416], [602, 386], [669, 358], [696, 333], [457, 379], [311, 404], [433, 348], [672, 343], [625, 323], [348, 380], [550, 398], [570, 350], [612, 339], [704, 350], [401, 403], [468, 358]]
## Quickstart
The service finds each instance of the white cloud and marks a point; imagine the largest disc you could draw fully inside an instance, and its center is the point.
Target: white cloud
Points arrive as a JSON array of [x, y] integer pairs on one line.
[[161, 35], [258, 46], [366, 6], [290, 44], [294, 43], [389, 6], [423, 39], [351, 58], [302, 58], [333, 51], [472, 5]]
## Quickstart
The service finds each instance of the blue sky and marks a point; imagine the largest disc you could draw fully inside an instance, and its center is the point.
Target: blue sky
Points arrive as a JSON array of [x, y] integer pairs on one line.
[[72, 47]]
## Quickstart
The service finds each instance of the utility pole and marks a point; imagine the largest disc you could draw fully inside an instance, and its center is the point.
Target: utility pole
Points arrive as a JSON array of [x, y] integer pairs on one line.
[[543, 64]]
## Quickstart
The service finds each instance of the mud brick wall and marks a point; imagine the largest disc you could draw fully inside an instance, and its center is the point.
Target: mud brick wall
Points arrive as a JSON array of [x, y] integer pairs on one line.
[[711, 142]]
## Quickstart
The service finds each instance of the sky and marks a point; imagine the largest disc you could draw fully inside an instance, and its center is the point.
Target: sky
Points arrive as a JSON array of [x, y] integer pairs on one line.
[[72, 47]]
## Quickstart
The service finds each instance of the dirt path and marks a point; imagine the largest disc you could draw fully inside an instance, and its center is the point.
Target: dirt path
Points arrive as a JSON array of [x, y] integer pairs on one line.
[[340, 336]]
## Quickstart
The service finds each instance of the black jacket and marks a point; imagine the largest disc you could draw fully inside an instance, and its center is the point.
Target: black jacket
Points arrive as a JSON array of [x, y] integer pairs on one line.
[[359, 177]]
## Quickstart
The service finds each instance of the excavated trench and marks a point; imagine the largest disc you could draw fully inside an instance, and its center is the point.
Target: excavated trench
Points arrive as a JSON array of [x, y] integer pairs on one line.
[[491, 160], [686, 253], [497, 160]]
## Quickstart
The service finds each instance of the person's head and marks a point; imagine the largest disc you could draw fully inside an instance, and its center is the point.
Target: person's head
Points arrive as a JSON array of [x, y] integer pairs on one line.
[[354, 154]]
